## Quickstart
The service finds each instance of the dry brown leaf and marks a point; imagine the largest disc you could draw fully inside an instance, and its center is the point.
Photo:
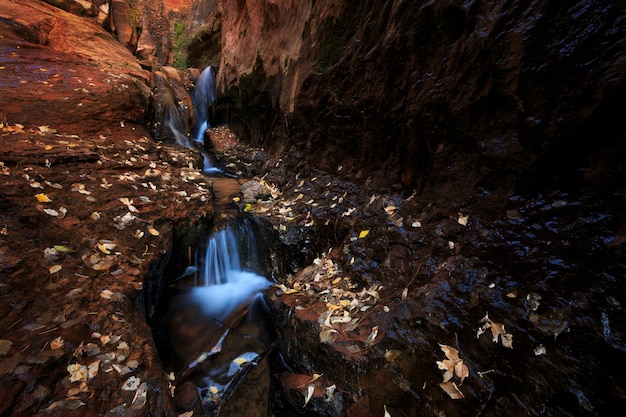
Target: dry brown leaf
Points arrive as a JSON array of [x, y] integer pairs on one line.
[[452, 390], [83, 387], [57, 343], [461, 370], [507, 340], [497, 329], [77, 372], [450, 352], [93, 368]]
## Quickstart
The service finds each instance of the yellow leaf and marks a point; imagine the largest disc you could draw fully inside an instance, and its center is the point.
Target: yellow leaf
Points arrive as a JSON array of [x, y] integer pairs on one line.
[[48, 147], [65, 249], [240, 361], [315, 377], [363, 233], [42, 198], [55, 268], [247, 207], [153, 231], [333, 307], [102, 247]]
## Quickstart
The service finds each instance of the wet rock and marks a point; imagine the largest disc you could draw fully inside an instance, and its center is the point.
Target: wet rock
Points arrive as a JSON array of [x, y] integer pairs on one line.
[[109, 210], [252, 191], [186, 399]]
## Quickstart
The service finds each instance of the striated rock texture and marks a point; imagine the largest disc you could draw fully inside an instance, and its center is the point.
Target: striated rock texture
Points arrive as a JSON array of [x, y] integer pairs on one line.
[[415, 91], [92, 215]]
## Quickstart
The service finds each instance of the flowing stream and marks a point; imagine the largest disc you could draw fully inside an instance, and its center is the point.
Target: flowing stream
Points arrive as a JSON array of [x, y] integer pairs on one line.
[[215, 316]]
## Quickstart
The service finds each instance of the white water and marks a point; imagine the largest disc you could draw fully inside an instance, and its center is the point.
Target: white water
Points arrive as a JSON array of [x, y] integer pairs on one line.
[[203, 97], [225, 283], [175, 124]]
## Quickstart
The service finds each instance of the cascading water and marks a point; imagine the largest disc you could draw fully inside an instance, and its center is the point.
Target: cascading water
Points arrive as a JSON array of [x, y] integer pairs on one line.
[[203, 97], [214, 339], [225, 284], [214, 320]]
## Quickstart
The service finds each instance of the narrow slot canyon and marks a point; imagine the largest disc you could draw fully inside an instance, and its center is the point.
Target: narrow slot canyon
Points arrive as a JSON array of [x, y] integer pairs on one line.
[[312, 208]]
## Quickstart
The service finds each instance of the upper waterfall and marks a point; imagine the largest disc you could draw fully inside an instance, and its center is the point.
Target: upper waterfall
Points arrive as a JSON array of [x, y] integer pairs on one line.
[[203, 97]]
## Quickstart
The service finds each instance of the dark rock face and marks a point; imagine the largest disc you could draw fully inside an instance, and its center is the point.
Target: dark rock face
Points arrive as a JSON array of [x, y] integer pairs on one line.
[[430, 91]]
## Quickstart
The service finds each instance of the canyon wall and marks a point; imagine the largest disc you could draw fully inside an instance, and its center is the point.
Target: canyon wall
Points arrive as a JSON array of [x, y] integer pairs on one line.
[[406, 91]]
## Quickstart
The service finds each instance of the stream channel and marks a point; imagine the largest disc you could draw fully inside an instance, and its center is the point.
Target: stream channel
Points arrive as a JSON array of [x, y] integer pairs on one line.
[[213, 325]]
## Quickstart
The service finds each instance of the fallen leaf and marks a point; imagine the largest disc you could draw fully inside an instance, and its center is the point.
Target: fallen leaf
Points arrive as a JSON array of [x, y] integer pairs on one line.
[[315, 378], [67, 404], [392, 355], [64, 249], [57, 343], [372, 336], [92, 369], [240, 361], [153, 231], [83, 387], [448, 366], [309, 393], [140, 397], [452, 390], [330, 392], [95, 215], [77, 372], [51, 212], [461, 370], [5, 346], [55, 268], [363, 233], [463, 219], [507, 340], [42, 198], [450, 352], [131, 384]]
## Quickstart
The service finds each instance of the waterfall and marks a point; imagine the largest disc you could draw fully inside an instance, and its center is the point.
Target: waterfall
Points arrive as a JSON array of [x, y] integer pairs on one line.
[[203, 96], [226, 282], [176, 126]]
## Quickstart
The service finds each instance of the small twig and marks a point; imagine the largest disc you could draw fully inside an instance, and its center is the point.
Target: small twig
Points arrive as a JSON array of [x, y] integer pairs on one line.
[[14, 324], [49, 331], [480, 374]]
